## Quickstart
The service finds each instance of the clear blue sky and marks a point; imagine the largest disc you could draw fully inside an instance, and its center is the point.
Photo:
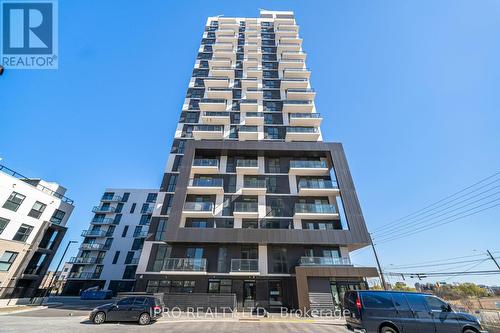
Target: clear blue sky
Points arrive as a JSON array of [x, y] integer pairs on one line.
[[411, 88]]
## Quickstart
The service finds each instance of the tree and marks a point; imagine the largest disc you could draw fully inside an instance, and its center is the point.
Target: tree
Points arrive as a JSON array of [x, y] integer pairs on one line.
[[401, 286]]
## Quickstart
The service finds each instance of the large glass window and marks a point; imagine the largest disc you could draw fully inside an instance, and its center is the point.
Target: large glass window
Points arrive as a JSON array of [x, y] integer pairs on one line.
[[14, 201], [160, 231], [23, 233], [162, 253], [279, 260], [7, 259], [3, 224], [57, 217]]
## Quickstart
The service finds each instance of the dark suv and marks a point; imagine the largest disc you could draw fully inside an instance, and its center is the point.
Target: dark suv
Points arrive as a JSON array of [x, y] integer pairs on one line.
[[404, 312], [143, 309]]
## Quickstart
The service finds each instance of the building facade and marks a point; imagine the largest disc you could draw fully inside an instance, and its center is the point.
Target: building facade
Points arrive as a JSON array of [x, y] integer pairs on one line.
[[253, 203], [112, 244], [33, 217]]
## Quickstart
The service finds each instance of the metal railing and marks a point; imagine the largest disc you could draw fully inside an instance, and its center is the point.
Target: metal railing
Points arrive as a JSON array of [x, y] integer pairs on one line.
[[103, 209], [106, 220], [216, 113], [208, 162], [93, 233], [42, 188], [319, 184], [308, 164], [84, 275], [324, 261], [254, 183], [244, 265], [199, 206], [246, 207], [206, 182], [85, 260], [247, 163], [213, 100], [208, 128], [94, 246], [185, 264], [111, 198], [315, 208], [297, 129], [217, 78]]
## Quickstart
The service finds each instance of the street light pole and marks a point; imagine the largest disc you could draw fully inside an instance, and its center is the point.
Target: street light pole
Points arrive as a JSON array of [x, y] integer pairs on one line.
[[378, 264], [49, 287]]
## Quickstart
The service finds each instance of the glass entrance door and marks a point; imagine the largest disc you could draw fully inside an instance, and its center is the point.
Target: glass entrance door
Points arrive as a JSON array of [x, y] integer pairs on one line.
[[249, 294]]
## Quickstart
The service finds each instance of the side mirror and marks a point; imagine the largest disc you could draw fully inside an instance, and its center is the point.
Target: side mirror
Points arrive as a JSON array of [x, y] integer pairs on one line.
[[446, 308]]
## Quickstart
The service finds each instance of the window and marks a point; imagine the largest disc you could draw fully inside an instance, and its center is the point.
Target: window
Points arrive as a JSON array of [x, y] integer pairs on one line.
[[118, 218], [145, 208], [250, 224], [372, 300], [126, 301], [435, 303], [137, 231], [194, 252], [152, 197], [162, 253], [273, 165], [271, 133], [417, 302], [129, 272], [125, 196], [140, 300], [400, 302], [182, 286], [219, 286], [14, 201], [129, 257], [145, 220], [160, 230], [279, 260], [115, 258], [125, 230], [132, 209], [137, 244], [23, 233], [119, 207], [108, 196], [57, 217], [6, 260], [275, 293], [3, 224], [222, 260]]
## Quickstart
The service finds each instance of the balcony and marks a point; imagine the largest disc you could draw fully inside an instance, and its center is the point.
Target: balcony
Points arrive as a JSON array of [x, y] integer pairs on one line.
[[254, 118], [219, 62], [227, 39], [216, 82], [93, 247], [302, 134], [317, 187], [287, 47], [287, 83], [93, 233], [111, 198], [140, 234], [235, 27], [250, 62], [198, 209], [247, 167], [254, 187], [282, 22], [249, 105], [227, 20], [305, 119], [254, 72], [255, 54], [208, 132], [254, 38], [85, 260], [220, 32], [309, 168], [216, 118], [223, 47], [84, 275], [213, 104], [104, 209], [300, 94], [205, 166], [246, 209], [297, 106], [246, 132], [245, 266], [297, 73], [225, 54], [249, 82], [287, 31], [294, 55], [285, 64], [193, 265], [103, 221], [254, 93], [220, 93], [251, 47], [315, 211], [222, 72], [286, 26], [205, 186], [324, 261], [290, 40]]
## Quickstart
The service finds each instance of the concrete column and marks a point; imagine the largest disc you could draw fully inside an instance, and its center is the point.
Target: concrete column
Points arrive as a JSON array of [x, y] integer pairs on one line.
[[263, 259]]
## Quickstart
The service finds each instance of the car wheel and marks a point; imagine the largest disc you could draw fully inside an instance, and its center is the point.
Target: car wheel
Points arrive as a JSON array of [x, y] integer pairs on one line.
[[99, 318], [388, 329], [468, 330], [145, 319]]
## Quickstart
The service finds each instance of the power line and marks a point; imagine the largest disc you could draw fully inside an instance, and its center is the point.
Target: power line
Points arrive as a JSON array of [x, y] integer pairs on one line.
[[413, 225], [438, 264], [437, 202], [448, 259], [432, 226], [421, 274]]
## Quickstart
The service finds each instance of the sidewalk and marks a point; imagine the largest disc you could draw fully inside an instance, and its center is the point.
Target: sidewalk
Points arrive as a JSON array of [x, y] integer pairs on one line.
[[19, 308]]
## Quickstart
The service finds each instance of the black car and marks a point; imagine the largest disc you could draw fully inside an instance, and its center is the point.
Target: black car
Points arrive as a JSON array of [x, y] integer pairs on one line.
[[143, 309], [404, 312]]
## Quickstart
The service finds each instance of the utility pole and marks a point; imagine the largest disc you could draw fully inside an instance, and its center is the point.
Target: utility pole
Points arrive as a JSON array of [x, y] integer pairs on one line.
[[493, 258], [378, 264], [49, 287]]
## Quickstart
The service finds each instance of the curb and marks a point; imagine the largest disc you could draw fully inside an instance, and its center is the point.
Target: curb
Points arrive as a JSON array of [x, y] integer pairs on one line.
[[23, 310]]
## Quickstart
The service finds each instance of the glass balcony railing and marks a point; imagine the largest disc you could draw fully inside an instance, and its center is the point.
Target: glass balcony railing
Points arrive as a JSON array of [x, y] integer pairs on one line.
[[297, 102], [305, 90], [93, 233], [254, 183], [140, 234], [247, 128], [103, 209], [84, 275], [206, 182], [85, 260], [254, 114], [292, 79], [213, 100], [324, 261], [199, 206], [248, 101], [217, 78], [106, 220], [305, 115], [111, 198], [308, 164], [206, 162], [92, 246], [244, 265], [208, 128], [185, 264], [319, 184], [244, 207], [216, 114], [292, 60], [296, 129], [247, 163], [311, 208]]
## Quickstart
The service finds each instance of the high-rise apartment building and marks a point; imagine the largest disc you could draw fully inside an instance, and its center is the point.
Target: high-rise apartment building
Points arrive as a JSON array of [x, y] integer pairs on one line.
[[33, 217], [112, 244], [253, 203]]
